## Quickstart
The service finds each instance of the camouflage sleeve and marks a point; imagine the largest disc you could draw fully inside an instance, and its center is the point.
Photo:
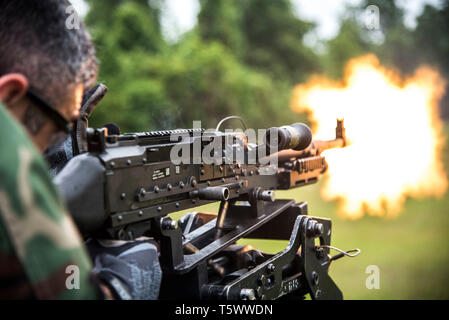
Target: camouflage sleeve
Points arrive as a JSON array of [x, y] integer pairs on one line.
[[44, 254]]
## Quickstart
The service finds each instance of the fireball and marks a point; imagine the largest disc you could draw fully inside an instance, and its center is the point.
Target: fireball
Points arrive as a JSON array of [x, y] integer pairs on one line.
[[395, 136]]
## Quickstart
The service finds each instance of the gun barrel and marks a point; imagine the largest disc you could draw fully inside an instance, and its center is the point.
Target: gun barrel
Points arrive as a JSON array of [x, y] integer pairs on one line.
[[338, 142], [315, 149], [326, 145], [317, 146], [297, 136]]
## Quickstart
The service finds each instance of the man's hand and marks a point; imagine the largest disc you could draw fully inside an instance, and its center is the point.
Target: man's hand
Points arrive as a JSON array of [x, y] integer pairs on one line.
[[130, 269]]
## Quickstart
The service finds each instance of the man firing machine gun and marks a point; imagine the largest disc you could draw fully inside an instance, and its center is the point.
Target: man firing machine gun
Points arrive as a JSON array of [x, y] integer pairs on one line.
[[126, 187]]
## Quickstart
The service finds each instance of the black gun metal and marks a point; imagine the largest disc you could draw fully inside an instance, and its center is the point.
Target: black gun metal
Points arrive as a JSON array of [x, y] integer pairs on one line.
[[128, 186]]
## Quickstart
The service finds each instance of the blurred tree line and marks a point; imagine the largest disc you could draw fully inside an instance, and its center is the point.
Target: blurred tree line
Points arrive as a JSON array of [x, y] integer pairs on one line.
[[243, 58], [400, 48]]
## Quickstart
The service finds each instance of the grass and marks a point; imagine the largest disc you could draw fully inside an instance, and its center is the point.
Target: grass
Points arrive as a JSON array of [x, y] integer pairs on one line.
[[411, 250]]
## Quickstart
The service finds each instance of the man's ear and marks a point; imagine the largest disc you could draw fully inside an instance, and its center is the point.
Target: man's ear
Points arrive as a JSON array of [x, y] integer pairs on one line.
[[13, 87]]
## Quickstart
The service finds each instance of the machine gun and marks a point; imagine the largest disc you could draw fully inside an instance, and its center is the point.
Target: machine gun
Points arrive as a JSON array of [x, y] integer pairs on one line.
[[127, 185]]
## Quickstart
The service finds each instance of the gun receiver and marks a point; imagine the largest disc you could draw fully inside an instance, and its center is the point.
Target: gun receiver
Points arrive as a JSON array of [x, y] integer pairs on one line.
[[126, 187]]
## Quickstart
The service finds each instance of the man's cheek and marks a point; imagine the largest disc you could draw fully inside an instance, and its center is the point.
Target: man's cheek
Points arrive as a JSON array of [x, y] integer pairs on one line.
[[76, 113], [78, 101]]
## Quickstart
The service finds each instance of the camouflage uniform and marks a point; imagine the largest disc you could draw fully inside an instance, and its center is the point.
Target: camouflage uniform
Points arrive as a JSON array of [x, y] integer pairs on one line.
[[38, 240]]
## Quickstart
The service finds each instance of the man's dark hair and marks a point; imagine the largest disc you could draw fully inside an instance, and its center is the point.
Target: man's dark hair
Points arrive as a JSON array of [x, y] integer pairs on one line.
[[36, 42]]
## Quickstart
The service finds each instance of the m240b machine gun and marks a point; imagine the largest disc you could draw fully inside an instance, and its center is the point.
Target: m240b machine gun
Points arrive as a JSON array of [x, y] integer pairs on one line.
[[127, 185]]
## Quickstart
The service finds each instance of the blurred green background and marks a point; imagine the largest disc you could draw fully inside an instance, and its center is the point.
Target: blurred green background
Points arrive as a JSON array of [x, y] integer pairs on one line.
[[243, 58]]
